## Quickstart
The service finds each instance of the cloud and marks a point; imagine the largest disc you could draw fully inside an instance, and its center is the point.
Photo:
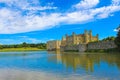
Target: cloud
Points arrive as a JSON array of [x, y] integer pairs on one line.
[[19, 40], [39, 8], [26, 5], [105, 12], [17, 21], [28, 39], [86, 4], [117, 29], [116, 2]]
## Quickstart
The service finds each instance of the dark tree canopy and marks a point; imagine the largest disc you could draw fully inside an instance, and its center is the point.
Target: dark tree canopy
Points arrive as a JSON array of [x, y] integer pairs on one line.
[[1, 47], [25, 45], [112, 38], [117, 39]]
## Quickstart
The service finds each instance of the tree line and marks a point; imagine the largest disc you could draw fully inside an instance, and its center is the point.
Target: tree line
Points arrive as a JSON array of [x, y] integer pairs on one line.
[[115, 39], [111, 38], [25, 45]]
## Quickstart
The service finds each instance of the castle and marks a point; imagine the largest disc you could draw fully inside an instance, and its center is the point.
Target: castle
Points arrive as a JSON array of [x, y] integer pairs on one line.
[[53, 45], [73, 39]]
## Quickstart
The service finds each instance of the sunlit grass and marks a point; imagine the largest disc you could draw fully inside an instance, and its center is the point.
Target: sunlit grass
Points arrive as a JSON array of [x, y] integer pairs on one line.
[[20, 49]]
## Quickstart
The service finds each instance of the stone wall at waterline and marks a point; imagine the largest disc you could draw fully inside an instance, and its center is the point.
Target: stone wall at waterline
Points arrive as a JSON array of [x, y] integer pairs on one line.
[[90, 46], [82, 47], [101, 45], [70, 48]]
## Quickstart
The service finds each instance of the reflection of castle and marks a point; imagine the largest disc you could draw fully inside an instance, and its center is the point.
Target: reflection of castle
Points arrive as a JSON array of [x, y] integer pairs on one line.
[[87, 62], [73, 39], [78, 61], [75, 61]]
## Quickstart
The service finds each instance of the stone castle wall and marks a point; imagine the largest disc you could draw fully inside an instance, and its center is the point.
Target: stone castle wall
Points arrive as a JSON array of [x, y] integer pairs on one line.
[[91, 46], [82, 47], [101, 45], [70, 48]]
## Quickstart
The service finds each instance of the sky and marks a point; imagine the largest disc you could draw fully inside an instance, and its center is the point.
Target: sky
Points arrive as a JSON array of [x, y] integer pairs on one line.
[[36, 21]]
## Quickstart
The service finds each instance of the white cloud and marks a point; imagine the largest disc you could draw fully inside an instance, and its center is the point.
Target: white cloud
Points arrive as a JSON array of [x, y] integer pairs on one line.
[[19, 40], [104, 12], [27, 4], [86, 4], [116, 2], [22, 36], [117, 29], [39, 8], [28, 39], [12, 21]]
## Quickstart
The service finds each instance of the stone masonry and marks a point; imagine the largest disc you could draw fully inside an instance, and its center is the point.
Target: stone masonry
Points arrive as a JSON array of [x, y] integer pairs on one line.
[[91, 46]]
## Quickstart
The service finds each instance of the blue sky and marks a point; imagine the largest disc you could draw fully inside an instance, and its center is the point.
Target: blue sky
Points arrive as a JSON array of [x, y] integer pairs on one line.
[[36, 21]]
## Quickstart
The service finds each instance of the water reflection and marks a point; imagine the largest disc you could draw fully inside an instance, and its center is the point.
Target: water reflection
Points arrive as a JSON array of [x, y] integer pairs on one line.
[[86, 61], [59, 66]]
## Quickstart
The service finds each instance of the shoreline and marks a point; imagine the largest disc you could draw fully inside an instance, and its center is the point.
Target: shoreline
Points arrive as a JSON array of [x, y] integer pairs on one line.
[[20, 49]]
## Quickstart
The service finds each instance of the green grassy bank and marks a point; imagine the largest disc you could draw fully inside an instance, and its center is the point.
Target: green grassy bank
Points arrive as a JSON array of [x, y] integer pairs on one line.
[[20, 49]]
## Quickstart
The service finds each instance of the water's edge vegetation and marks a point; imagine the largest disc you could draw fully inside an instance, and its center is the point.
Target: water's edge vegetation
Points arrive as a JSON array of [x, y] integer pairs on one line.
[[23, 47], [20, 49]]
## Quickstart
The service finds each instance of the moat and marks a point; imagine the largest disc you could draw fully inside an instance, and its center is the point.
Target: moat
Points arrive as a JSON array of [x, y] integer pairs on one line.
[[43, 65]]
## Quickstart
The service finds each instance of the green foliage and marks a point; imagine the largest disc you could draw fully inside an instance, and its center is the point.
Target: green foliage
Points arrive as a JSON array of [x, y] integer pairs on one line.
[[1, 47], [25, 45], [117, 39], [112, 38], [41, 46]]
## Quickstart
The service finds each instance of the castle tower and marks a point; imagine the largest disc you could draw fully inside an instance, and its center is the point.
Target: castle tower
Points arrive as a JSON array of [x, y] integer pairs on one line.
[[66, 39], [86, 36], [63, 38], [74, 37], [66, 35], [90, 35], [97, 37], [73, 33]]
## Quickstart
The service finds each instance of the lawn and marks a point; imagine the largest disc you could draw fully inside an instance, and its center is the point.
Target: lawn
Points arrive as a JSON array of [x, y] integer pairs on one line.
[[20, 49]]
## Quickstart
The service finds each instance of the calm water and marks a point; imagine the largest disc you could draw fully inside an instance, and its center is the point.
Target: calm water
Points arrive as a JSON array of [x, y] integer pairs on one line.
[[43, 65]]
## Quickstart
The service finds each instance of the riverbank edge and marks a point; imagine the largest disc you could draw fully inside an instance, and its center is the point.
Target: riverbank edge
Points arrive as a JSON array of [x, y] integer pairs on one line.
[[20, 49], [104, 50], [97, 50]]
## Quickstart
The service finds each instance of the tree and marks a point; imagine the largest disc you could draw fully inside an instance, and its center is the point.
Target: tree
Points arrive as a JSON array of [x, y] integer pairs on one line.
[[1, 47], [112, 38], [117, 39], [24, 44]]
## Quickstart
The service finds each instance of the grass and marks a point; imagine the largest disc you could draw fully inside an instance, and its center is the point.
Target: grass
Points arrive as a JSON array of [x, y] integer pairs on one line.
[[20, 49]]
